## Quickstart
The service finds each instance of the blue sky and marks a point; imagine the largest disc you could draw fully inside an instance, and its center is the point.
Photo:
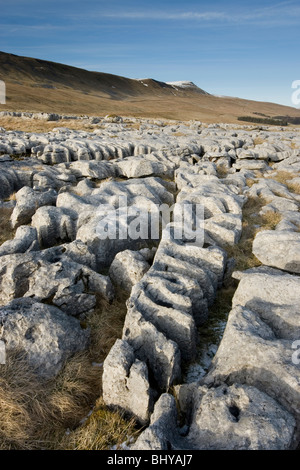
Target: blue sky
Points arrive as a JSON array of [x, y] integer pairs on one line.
[[245, 49]]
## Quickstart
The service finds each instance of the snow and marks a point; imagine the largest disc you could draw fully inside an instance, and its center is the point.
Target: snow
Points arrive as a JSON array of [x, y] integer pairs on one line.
[[181, 84], [141, 80]]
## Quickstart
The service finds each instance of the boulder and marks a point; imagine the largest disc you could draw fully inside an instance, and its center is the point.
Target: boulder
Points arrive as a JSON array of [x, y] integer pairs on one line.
[[28, 201], [275, 296], [238, 417], [280, 249], [125, 382], [92, 169], [25, 240], [151, 346], [137, 167], [250, 165], [43, 333], [250, 353], [70, 286], [54, 225], [162, 434], [128, 268]]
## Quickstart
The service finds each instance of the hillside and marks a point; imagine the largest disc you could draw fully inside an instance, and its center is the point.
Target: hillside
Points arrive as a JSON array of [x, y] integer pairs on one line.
[[39, 85]]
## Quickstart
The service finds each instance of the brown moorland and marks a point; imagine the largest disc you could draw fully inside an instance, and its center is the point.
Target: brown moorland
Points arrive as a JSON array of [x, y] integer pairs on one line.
[[35, 85]]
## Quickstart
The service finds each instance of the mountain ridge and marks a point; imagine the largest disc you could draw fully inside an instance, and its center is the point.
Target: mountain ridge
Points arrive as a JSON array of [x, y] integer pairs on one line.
[[38, 85]]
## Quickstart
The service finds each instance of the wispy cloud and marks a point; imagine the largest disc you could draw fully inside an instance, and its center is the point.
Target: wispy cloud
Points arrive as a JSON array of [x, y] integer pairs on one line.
[[156, 15], [284, 12]]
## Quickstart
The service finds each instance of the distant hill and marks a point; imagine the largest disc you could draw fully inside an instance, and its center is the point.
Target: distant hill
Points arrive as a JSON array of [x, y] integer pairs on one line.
[[39, 85]]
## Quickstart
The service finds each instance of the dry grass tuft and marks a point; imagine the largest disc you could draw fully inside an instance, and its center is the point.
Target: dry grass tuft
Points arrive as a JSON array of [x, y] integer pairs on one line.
[[259, 173], [259, 141], [106, 324], [6, 230], [36, 413], [12, 197], [218, 312], [178, 134], [41, 126], [222, 171], [250, 182], [102, 430], [242, 252], [252, 224], [270, 220], [74, 390], [18, 387], [294, 187], [282, 176], [129, 125]]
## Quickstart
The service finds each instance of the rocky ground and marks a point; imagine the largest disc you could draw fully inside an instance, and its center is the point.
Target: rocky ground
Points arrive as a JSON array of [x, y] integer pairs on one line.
[[197, 376]]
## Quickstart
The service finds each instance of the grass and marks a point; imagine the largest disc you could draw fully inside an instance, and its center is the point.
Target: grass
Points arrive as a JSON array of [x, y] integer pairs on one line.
[[259, 141], [12, 197], [222, 171], [35, 413], [39, 414], [209, 332], [252, 224], [284, 177], [106, 324], [178, 134], [6, 231], [250, 182], [102, 429], [133, 125], [294, 187], [270, 220], [41, 126]]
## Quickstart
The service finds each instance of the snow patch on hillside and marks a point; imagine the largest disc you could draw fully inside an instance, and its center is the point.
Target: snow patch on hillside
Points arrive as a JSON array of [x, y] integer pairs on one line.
[[182, 84]]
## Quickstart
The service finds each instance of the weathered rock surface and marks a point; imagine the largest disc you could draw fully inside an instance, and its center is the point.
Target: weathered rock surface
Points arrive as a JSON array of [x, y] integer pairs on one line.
[[128, 268], [162, 433], [28, 201], [237, 417], [43, 333], [250, 353], [126, 383], [140, 167], [68, 285], [280, 249], [154, 348], [71, 184], [275, 296], [54, 225], [25, 240]]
